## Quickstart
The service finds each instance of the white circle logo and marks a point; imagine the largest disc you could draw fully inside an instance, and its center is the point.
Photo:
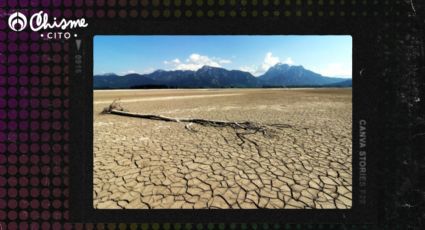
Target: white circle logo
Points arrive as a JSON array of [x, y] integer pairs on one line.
[[17, 21]]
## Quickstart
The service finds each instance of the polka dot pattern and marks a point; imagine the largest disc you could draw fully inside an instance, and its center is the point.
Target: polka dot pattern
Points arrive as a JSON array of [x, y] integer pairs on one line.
[[34, 98]]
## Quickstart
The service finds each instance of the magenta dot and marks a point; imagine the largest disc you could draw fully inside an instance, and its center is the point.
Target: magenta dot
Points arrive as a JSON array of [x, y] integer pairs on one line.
[[45, 47], [12, 58], [57, 13], [35, 36], [45, 159], [56, 181], [2, 204], [12, 192], [12, 70], [23, 114], [23, 92], [45, 125], [12, 103], [34, 181], [12, 215], [2, 182], [23, 58], [23, 47], [35, 159], [34, 92], [35, 103], [35, 80], [57, 103], [67, 13], [23, 192], [35, 114], [12, 226], [12, 47], [12, 148], [23, 203], [57, 69], [23, 125], [35, 204], [12, 36], [57, 226], [12, 80], [57, 192], [56, 81], [35, 69], [23, 80], [56, 148], [35, 148], [89, 13], [57, 125], [45, 3], [57, 215], [45, 225], [34, 48], [79, 13], [23, 170], [12, 170], [12, 159], [12, 126], [45, 204], [12, 92], [56, 115], [34, 137], [12, 181], [45, 92], [12, 204], [23, 69], [45, 170], [23, 215], [23, 159], [2, 191], [24, 225], [45, 69], [57, 92], [56, 58], [57, 160], [23, 36], [57, 204], [45, 114], [35, 215], [23, 148], [100, 13]]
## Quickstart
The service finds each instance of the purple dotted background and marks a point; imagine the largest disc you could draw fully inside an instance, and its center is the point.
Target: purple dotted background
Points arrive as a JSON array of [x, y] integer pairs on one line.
[[34, 96]]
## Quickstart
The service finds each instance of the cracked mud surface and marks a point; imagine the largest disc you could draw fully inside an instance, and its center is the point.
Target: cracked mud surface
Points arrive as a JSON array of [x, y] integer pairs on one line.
[[141, 163]]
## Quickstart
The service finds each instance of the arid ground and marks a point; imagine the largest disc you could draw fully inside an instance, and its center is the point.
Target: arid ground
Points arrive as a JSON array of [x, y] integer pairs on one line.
[[141, 163]]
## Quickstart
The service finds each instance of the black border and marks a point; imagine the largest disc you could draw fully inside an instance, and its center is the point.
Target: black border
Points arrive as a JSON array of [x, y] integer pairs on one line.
[[81, 97]]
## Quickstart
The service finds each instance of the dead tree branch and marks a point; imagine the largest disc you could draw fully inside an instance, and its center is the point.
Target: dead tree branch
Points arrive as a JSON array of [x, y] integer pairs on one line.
[[116, 109]]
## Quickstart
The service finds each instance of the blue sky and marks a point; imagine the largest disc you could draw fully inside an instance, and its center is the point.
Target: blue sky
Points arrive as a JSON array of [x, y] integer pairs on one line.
[[327, 55]]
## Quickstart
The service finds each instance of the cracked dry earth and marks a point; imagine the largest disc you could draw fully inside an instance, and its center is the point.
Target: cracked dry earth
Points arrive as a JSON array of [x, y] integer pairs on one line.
[[140, 163]]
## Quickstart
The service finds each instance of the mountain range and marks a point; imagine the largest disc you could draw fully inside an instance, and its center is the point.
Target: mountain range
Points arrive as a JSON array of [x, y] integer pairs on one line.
[[279, 75]]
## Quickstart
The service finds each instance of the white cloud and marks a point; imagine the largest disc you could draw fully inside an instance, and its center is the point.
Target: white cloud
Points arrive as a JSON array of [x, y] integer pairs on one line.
[[268, 61], [288, 61], [196, 61], [336, 69], [128, 72], [224, 61]]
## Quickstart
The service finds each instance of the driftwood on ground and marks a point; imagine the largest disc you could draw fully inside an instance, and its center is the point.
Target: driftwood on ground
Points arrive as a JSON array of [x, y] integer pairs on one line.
[[116, 109]]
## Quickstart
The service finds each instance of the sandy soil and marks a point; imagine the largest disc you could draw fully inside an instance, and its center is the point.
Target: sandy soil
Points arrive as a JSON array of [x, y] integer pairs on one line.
[[141, 163]]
